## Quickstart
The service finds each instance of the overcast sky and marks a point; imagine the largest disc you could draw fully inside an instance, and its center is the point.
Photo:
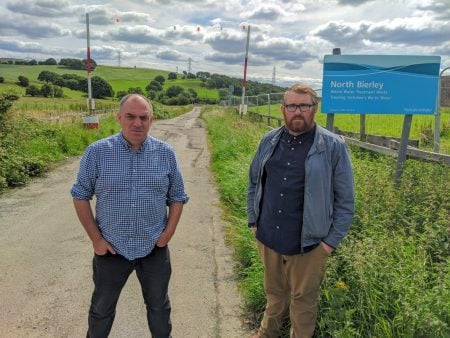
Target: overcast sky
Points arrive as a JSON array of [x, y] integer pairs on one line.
[[288, 39]]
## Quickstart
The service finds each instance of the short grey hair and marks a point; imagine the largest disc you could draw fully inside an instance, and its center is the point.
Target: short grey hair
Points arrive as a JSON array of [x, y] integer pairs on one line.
[[127, 97]]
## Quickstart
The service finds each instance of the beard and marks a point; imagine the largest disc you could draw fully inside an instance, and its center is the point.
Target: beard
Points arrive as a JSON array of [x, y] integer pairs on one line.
[[297, 125]]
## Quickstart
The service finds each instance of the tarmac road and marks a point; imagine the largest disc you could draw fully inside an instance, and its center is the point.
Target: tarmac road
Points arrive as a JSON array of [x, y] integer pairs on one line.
[[45, 256]]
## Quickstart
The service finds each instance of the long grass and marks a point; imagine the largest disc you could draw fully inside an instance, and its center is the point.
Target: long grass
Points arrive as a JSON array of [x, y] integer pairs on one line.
[[391, 275], [31, 143]]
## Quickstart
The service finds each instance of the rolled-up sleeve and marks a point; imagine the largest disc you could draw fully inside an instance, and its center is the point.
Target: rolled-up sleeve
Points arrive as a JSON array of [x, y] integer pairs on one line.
[[84, 186], [176, 192]]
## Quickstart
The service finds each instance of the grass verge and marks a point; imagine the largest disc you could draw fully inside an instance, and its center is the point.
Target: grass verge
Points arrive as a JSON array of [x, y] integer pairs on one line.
[[391, 275]]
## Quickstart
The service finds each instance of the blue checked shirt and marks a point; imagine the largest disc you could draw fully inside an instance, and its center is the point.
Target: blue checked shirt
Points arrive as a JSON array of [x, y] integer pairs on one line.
[[132, 190]]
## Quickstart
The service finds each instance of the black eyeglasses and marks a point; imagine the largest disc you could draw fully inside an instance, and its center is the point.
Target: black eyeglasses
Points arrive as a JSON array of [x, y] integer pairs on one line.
[[303, 107]]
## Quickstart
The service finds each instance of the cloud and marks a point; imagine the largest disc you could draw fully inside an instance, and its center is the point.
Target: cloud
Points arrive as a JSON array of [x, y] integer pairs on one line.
[[273, 12], [265, 12], [236, 59], [26, 47], [438, 8], [412, 31], [136, 34], [190, 33], [104, 15], [282, 49], [353, 2], [227, 41], [31, 29], [171, 55], [42, 8]]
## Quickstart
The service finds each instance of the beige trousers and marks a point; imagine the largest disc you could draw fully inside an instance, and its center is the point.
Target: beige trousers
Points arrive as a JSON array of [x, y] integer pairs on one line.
[[291, 283]]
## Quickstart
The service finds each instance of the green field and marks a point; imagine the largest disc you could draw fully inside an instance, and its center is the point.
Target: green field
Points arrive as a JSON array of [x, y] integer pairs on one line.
[[120, 78], [381, 124]]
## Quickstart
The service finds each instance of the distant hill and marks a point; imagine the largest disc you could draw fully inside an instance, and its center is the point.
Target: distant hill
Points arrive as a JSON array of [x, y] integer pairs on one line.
[[208, 86]]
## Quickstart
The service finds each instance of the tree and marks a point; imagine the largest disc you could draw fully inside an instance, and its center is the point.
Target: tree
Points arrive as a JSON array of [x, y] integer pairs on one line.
[[6, 101], [183, 99], [203, 75], [135, 90], [32, 62], [154, 85], [50, 61], [174, 91], [47, 90], [160, 79], [101, 88], [46, 76], [192, 93], [2, 79], [33, 91], [23, 81], [172, 76], [191, 76], [224, 93], [57, 92], [151, 94], [120, 94]]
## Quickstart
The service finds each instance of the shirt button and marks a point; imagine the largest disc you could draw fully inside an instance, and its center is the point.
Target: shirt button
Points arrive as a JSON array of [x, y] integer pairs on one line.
[[289, 163], [279, 211], [277, 227], [281, 195], [292, 148], [284, 178]]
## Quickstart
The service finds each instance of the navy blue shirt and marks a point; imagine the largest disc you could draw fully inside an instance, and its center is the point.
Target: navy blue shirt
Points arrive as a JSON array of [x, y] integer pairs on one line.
[[280, 221]]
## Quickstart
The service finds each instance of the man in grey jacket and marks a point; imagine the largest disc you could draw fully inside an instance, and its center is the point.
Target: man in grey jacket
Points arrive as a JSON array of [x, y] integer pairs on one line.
[[300, 205]]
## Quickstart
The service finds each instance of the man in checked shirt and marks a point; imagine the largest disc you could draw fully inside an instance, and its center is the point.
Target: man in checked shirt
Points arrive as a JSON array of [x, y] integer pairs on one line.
[[134, 178]]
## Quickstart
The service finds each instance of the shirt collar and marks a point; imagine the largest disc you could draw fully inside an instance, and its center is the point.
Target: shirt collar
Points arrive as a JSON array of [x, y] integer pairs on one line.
[[127, 145], [287, 137]]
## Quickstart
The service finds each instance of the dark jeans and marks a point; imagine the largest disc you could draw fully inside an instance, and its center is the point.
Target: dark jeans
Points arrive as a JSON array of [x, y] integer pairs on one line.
[[110, 275]]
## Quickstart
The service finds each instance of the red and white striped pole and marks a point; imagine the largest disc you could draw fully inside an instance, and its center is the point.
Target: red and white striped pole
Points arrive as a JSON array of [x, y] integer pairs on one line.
[[244, 81], [91, 120], [90, 108]]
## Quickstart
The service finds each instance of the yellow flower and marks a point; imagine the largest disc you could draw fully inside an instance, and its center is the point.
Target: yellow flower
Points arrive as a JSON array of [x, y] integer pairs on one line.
[[341, 285]]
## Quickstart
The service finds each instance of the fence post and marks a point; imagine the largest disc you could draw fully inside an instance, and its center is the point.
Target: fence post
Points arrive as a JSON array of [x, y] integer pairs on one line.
[[330, 117], [362, 127], [403, 148], [437, 116]]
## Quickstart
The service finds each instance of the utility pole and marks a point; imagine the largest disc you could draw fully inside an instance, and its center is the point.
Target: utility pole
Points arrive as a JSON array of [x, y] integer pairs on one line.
[[274, 75], [119, 58], [189, 65]]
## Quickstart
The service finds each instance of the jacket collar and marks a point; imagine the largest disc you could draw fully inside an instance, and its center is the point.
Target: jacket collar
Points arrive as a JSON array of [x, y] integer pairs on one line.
[[318, 145]]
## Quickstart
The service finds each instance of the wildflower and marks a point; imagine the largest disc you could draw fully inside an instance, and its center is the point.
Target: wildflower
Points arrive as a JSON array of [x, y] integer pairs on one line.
[[341, 285]]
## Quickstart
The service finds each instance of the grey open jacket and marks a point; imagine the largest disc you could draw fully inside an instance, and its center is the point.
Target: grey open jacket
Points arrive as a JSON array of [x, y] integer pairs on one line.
[[329, 194]]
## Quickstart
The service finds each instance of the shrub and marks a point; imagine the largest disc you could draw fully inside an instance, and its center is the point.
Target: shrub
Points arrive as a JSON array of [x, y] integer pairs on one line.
[[23, 81], [33, 91]]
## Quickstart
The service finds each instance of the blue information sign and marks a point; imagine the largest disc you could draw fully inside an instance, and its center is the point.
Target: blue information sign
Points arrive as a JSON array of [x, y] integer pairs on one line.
[[380, 84]]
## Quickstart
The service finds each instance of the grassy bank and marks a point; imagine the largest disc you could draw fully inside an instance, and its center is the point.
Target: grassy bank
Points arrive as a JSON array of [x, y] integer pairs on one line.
[[390, 277], [30, 145]]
